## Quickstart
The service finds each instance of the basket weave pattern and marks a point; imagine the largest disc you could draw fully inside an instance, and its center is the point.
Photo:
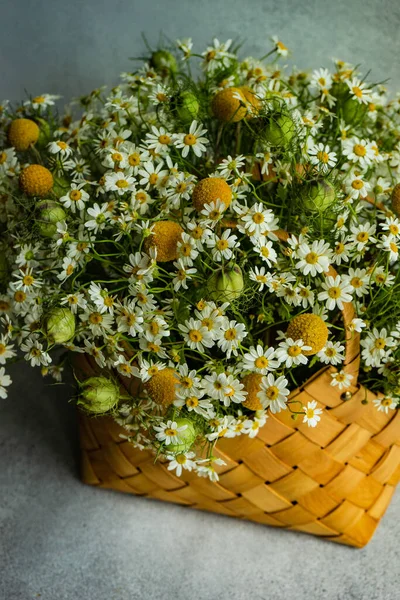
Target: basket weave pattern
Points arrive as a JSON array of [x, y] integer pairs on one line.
[[333, 481]]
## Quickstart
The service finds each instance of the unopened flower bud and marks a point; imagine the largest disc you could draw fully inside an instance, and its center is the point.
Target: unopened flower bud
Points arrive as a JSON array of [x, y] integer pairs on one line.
[[163, 61], [59, 325], [226, 284], [98, 395], [317, 195], [187, 106], [49, 214], [280, 130]]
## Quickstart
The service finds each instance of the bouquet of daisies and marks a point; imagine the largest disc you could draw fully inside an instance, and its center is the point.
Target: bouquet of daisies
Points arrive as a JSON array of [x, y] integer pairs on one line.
[[201, 237]]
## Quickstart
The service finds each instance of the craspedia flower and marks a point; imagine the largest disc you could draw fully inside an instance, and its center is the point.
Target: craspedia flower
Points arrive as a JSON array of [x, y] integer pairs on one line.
[[252, 385], [209, 190], [98, 395], [253, 103], [226, 106], [59, 325], [186, 437], [311, 329], [162, 386], [36, 180], [165, 238], [22, 133], [396, 199]]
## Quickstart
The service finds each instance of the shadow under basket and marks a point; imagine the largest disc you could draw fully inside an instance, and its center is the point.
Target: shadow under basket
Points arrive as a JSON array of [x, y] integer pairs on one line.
[[334, 481]]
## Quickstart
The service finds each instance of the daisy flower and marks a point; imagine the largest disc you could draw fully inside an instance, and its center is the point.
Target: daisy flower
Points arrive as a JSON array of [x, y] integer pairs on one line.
[[100, 216], [232, 333], [6, 350], [193, 140], [76, 198], [183, 275], [159, 140], [196, 335], [229, 165], [260, 276], [181, 461], [212, 213], [60, 147], [357, 325], [152, 176], [34, 352], [266, 251], [260, 360], [356, 187], [331, 354], [43, 101], [168, 433], [359, 280], [233, 391], [322, 157], [383, 404], [74, 301], [221, 246], [359, 90], [321, 78], [5, 381], [336, 292], [391, 245], [119, 182], [312, 414], [392, 226], [362, 234], [290, 352], [274, 392], [280, 47], [256, 220], [341, 379], [315, 258], [358, 151]]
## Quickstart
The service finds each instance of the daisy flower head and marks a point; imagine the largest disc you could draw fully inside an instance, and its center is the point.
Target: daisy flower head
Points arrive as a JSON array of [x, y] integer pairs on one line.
[[196, 335], [181, 461], [312, 414], [260, 360], [314, 259], [274, 392], [261, 276], [358, 151], [5, 381], [232, 333], [100, 216], [359, 90], [60, 147], [168, 433], [336, 292], [119, 182], [385, 403], [280, 47], [322, 157], [75, 199], [341, 379], [332, 353], [222, 246], [194, 140], [291, 352], [356, 187]]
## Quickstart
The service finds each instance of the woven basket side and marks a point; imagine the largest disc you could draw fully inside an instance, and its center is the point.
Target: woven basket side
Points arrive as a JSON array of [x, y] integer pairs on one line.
[[334, 481]]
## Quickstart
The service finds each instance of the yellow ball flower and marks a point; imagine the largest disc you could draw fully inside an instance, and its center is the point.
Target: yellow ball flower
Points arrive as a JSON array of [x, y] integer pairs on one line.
[[396, 199], [211, 189], [252, 385], [311, 329], [227, 108], [162, 386], [36, 180], [165, 238], [22, 133]]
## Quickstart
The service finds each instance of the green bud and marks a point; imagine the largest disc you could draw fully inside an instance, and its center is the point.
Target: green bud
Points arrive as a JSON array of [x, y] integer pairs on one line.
[[163, 61], [280, 130], [59, 325], [44, 133], [226, 284], [187, 106], [50, 213], [354, 112], [98, 395], [61, 186], [187, 437], [339, 90], [317, 195]]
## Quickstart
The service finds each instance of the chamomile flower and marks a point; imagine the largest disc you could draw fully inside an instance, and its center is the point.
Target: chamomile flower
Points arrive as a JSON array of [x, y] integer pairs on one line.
[[183, 275], [60, 147], [356, 187], [5, 381], [359, 90], [194, 140], [261, 276], [100, 216], [159, 140], [274, 392], [336, 292], [196, 335], [362, 235], [6, 350], [221, 246], [322, 157], [34, 352], [168, 433], [312, 414], [76, 198], [341, 379], [332, 353], [385, 403], [314, 259], [119, 182], [181, 461], [359, 151], [260, 360], [291, 352], [229, 166], [256, 220], [232, 333]]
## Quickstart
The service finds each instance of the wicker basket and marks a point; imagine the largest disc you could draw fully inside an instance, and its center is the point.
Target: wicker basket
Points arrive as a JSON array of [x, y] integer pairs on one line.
[[334, 481]]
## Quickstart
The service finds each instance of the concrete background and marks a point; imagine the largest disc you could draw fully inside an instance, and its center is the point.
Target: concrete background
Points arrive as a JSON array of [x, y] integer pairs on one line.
[[61, 540]]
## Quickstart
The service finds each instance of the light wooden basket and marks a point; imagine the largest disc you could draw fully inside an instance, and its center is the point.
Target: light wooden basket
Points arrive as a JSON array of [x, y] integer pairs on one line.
[[334, 481]]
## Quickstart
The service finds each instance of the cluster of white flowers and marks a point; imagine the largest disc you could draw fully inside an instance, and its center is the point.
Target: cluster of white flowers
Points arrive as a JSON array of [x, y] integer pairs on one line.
[[148, 233]]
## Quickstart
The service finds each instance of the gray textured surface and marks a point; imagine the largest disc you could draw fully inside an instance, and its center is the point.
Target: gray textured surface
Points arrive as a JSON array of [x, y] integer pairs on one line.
[[72, 47], [62, 540], [67, 541]]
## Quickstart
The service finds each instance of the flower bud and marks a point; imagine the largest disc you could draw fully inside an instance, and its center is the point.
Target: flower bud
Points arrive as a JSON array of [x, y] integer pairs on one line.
[[163, 61], [44, 133], [226, 284], [61, 186], [186, 437], [50, 213], [353, 112], [280, 130], [317, 195], [98, 395], [59, 325], [187, 106]]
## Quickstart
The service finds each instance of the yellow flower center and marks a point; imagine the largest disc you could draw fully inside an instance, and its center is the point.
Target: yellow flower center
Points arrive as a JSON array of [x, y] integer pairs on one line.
[[380, 343], [310, 413], [38, 100], [116, 157], [122, 183], [69, 270], [19, 296], [189, 139], [294, 351], [356, 282], [153, 178], [272, 392], [334, 292], [258, 218], [393, 247], [134, 159], [394, 229], [62, 145], [170, 432], [75, 195], [359, 150], [339, 249], [222, 244], [28, 280], [357, 91], [3, 158], [261, 362], [95, 318], [164, 139], [323, 157], [357, 184], [230, 334], [195, 335], [363, 236], [386, 401], [312, 258]]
